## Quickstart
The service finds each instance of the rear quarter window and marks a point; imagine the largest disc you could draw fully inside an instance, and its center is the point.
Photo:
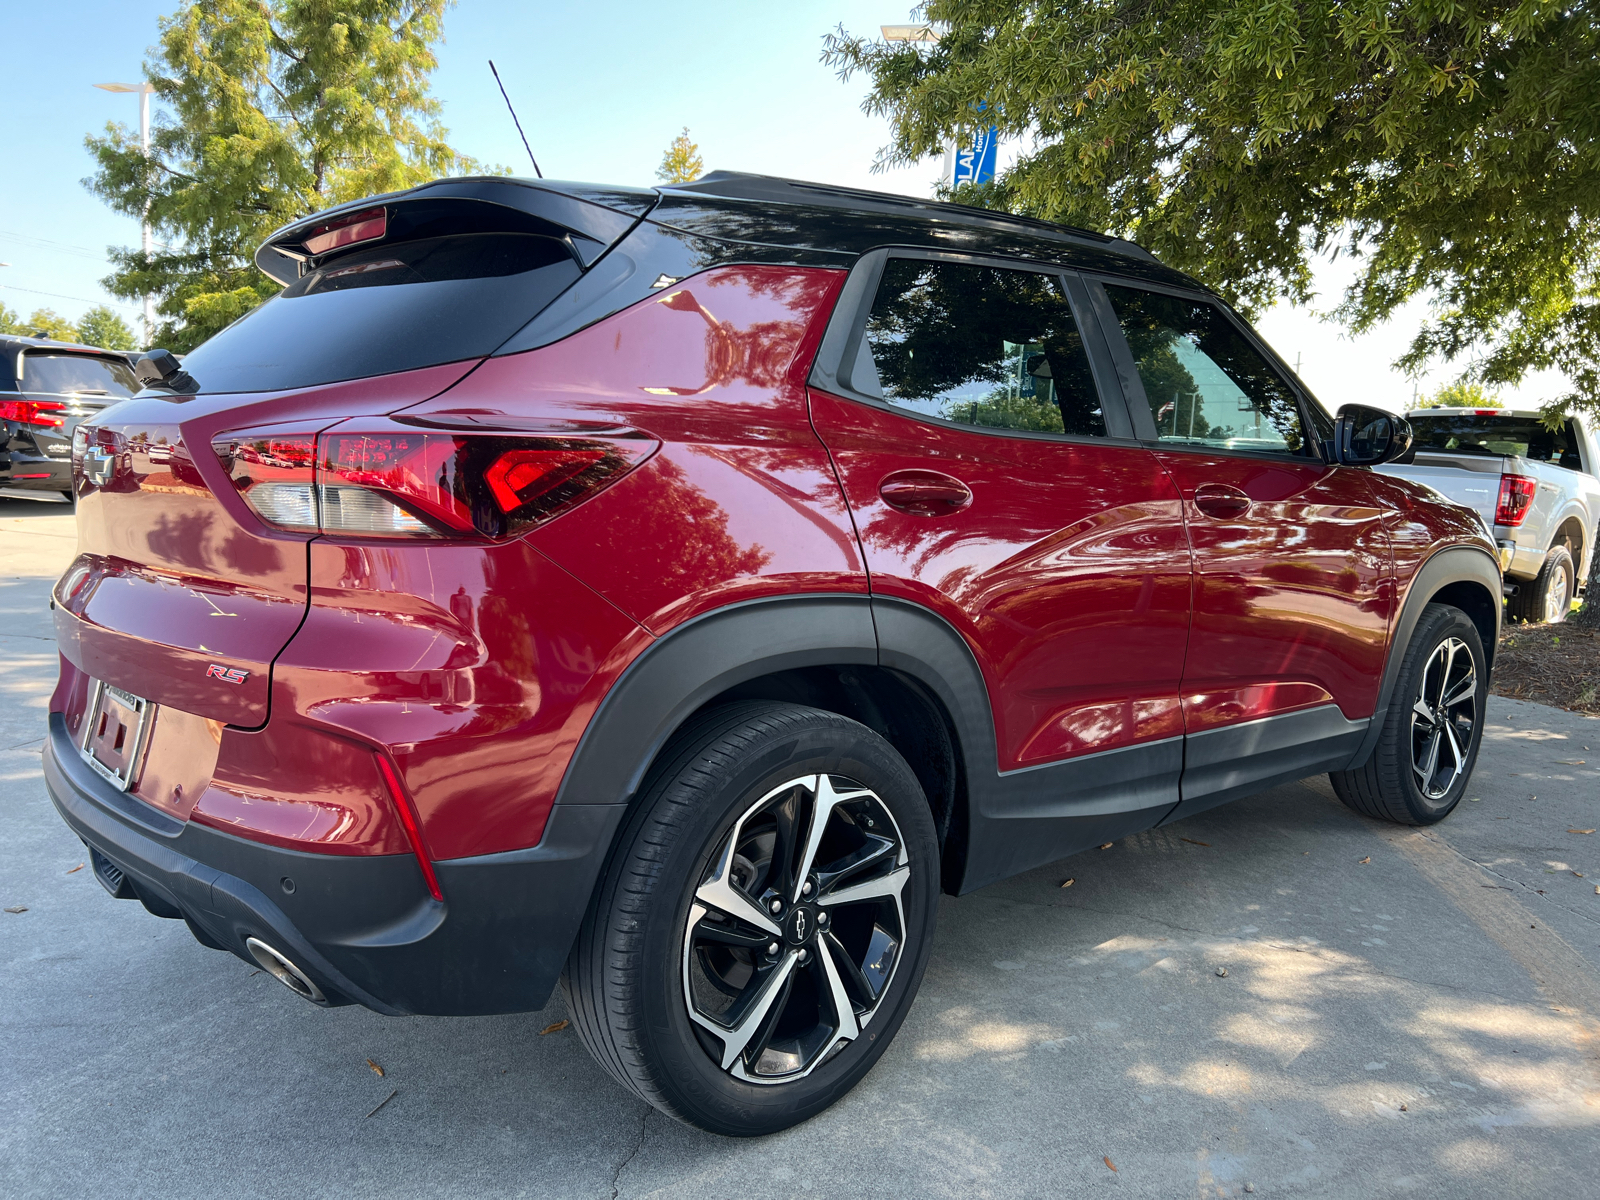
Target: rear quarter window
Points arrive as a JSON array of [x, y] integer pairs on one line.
[[388, 308]]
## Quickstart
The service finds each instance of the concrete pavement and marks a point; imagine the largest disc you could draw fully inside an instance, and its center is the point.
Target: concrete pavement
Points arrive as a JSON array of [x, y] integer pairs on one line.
[[1402, 1013]]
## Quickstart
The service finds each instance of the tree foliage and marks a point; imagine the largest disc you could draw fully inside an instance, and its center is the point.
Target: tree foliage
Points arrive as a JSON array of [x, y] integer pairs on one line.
[[1462, 394], [42, 322], [682, 162], [278, 108], [103, 326], [1453, 147]]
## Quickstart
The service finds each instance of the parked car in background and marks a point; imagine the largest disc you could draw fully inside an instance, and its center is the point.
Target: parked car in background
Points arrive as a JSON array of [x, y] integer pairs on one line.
[[671, 591], [46, 389], [1537, 489]]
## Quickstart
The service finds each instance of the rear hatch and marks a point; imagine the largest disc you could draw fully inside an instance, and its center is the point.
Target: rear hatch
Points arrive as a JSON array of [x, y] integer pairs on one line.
[[55, 389], [181, 593]]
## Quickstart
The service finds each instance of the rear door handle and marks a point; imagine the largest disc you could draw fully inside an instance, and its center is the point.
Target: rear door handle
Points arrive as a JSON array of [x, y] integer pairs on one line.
[[924, 493], [1221, 500]]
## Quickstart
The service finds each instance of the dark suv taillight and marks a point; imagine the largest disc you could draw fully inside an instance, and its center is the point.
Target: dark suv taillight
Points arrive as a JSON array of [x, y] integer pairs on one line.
[[33, 412], [381, 479], [1516, 499]]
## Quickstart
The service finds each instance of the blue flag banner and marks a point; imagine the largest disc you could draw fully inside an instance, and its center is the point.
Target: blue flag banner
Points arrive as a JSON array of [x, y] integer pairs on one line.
[[975, 163]]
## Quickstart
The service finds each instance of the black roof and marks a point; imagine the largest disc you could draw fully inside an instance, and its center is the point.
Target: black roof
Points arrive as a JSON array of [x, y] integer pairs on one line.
[[821, 222]]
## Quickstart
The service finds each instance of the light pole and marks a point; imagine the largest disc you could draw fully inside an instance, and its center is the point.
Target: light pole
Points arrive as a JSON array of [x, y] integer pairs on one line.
[[143, 90], [924, 33]]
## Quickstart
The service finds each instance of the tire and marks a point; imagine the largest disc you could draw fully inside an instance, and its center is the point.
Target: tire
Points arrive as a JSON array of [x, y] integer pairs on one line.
[[1547, 598], [658, 968], [1391, 784]]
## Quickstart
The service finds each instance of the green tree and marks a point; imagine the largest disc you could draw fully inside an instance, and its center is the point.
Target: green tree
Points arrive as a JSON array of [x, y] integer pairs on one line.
[[47, 323], [1462, 394], [682, 162], [279, 108], [1454, 149], [9, 321], [103, 326]]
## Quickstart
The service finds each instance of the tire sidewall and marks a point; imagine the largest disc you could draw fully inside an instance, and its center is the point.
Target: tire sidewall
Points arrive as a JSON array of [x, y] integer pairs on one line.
[[675, 1059], [1438, 624]]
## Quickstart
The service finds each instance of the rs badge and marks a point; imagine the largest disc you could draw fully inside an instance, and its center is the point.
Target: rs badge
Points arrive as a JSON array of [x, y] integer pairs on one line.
[[227, 674]]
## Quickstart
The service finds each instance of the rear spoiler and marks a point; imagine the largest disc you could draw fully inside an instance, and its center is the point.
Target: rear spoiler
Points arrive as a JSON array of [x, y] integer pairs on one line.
[[590, 218]]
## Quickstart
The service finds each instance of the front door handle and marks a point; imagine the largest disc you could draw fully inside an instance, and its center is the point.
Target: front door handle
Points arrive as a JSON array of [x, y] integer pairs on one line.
[[1221, 501], [925, 493]]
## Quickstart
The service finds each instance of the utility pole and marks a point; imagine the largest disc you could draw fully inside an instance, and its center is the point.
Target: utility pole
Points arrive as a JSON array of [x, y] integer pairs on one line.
[[143, 90]]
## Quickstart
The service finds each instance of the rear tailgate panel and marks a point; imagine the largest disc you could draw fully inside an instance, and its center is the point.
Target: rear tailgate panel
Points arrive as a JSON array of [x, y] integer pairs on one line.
[[174, 576]]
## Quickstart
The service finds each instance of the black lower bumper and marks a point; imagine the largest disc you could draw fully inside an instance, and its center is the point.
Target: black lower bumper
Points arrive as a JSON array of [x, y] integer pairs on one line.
[[363, 927]]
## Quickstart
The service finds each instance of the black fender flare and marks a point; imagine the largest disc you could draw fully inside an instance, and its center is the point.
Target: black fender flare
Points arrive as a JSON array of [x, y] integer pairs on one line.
[[1453, 564]]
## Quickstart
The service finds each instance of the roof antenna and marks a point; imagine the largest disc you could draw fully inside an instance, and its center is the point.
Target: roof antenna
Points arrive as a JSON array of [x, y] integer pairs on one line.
[[514, 120]]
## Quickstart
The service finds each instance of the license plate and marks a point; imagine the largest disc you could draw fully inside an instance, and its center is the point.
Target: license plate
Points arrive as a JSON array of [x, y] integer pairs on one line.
[[115, 732]]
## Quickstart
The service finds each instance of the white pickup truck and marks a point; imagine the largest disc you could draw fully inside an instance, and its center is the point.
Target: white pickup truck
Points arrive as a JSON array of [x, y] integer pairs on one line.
[[1537, 490]]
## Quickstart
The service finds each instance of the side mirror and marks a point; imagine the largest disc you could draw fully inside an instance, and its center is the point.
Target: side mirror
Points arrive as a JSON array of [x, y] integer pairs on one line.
[[1365, 437]]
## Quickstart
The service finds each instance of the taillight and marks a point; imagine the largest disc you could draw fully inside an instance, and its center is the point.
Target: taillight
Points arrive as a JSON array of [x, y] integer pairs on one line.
[[33, 412], [381, 479], [1516, 499]]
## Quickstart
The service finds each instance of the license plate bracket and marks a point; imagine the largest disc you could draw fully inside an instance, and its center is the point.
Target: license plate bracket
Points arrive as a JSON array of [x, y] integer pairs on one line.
[[114, 733]]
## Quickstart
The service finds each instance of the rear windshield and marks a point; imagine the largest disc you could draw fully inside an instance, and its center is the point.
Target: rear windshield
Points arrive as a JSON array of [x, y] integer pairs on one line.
[[1498, 437], [80, 374], [390, 308]]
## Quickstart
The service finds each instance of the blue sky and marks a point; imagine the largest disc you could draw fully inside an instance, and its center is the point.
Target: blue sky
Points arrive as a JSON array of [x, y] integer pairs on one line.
[[601, 88]]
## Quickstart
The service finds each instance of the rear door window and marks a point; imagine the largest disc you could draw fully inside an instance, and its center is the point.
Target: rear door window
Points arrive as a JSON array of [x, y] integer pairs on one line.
[[389, 308], [1207, 386], [984, 346], [78, 374]]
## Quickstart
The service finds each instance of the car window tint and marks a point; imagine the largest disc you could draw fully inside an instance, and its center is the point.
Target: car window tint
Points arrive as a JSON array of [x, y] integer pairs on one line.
[[983, 346], [1207, 386], [392, 307], [83, 374]]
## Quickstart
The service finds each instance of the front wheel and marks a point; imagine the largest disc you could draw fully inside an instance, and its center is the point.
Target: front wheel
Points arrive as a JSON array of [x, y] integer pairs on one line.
[[765, 922], [1431, 730]]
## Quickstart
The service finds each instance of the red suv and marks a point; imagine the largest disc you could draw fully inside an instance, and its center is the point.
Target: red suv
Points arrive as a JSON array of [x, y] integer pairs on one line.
[[671, 592]]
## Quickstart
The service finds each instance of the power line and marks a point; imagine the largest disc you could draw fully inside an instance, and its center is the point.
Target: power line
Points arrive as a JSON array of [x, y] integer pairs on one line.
[[60, 296]]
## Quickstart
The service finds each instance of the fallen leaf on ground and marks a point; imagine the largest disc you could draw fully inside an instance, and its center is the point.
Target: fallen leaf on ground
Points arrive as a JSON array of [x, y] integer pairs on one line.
[[75, 869], [556, 1028], [18, 908], [1108, 845], [1107, 1160], [1192, 842], [1579, 874], [376, 1069], [1580, 831], [1570, 762], [1068, 882], [1222, 972], [384, 1101], [1367, 859]]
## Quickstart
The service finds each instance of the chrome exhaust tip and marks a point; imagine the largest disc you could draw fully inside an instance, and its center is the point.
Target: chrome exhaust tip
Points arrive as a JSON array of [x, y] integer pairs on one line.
[[276, 964]]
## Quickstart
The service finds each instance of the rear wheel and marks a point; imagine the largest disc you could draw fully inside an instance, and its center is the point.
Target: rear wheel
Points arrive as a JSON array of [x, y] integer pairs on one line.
[[1547, 598], [1431, 730], [765, 921]]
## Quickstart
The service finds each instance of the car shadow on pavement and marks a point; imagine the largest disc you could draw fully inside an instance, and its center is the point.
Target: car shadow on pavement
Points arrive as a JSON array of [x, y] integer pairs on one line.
[[1270, 993]]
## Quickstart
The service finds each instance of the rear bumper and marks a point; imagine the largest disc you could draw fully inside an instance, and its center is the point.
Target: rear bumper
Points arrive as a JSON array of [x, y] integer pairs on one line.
[[363, 927], [38, 472]]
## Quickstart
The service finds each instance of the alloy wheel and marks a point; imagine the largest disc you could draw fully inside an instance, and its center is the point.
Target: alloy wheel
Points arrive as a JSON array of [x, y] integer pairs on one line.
[[796, 929], [1444, 716], [1555, 595]]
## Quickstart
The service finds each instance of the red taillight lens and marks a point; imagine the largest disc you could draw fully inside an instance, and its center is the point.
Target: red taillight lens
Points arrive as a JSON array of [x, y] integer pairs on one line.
[[33, 412], [366, 226], [1516, 499], [387, 480]]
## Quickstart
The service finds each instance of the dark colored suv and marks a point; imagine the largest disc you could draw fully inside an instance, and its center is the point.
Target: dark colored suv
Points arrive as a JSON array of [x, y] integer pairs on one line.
[[671, 592], [46, 388]]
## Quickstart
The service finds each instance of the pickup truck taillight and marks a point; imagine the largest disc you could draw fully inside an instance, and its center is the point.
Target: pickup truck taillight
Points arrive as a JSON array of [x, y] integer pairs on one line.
[[1516, 499], [382, 479]]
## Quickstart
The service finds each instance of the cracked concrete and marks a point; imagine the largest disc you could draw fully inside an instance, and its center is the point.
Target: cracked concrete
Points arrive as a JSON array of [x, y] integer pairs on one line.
[[1385, 1028]]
